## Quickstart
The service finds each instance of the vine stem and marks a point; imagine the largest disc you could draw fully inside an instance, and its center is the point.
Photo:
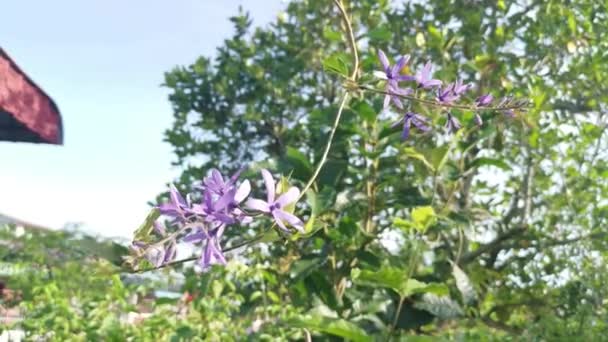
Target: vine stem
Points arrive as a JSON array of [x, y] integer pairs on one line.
[[352, 42], [327, 147], [353, 46], [436, 103], [181, 261]]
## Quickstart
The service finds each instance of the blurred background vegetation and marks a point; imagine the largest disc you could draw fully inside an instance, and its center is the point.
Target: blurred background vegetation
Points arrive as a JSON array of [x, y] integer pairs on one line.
[[496, 233]]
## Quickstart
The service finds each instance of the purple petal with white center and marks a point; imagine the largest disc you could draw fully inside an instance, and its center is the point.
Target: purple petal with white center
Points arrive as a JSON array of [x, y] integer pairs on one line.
[[176, 197], [223, 201], [425, 72], [242, 192], [168, 209], [289, 197], [270, 185], [402, 92], [170, 252], [477, 119], [217, 177], [384, 61], [259, 205], [278, 220], [387, 101], [406, 128], [293, 220], [196, 237], [400, 64], [212, 255], [431, 83], [421, 123], [405, 78], [236, 175], [484, 100]]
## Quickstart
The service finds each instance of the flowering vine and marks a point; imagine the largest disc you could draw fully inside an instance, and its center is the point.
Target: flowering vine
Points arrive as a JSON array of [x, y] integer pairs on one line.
[[220, 203]]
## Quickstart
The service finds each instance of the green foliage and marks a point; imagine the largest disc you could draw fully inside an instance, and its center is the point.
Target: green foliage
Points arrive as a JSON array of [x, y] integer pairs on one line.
[[496, 234], [516, 205]]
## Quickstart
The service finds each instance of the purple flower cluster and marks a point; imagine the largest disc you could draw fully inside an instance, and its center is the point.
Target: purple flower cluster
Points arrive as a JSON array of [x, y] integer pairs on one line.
[[223, 203], [444, 96]]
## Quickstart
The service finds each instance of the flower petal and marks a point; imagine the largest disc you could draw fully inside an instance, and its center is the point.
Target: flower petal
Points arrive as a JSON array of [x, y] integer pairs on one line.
[[270, 185], [278, 220], [242, 192], [406, 128], [176, 197], [223, 201], [387, 101], [400, 64], [289, 197], [195, 237], [293, 220], [380, 74], [384, 61], [258, 205]]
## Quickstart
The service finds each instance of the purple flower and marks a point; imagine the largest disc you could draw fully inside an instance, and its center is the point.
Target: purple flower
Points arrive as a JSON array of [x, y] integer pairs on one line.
[[212, 250], [419, 121], [452, 92], [453, 125], [392, 76], [477, 119], [447, 95], [241, 193], [221, 199], [459, 88], [506, 101], [274, 207], [178, 207], [423, 78], [215, 209], [216, 183], [484, 100]]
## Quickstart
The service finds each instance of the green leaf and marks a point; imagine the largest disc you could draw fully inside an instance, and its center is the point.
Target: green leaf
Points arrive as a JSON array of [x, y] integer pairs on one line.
[[332, 35], [438, 156], [143, 232], [387, 277], [365, 111], [336, 64], [423, 218], [333, 326], [412, 153], [381, 33], [397, 280], [481, 161], [464, 285], [441, 306], [302, 169]]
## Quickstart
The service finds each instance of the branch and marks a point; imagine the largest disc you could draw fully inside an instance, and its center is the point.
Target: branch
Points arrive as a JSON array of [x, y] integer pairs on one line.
[[467, 258], [352, 41], [434, 103], [353, 78], [181, 261]]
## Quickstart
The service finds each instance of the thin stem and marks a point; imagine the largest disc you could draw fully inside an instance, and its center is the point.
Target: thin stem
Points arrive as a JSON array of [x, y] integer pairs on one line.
[[181, 261], [327, 147], [352, 41], [460, 244], [396, 318], [436, 103], [410, 273], [353, 77]]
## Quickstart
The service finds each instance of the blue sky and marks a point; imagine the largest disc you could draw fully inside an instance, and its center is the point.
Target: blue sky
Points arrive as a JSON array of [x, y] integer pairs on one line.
[[103, 63]]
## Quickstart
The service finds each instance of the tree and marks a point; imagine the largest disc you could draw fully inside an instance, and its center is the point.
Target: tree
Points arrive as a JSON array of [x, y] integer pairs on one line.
[[493, 229]]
